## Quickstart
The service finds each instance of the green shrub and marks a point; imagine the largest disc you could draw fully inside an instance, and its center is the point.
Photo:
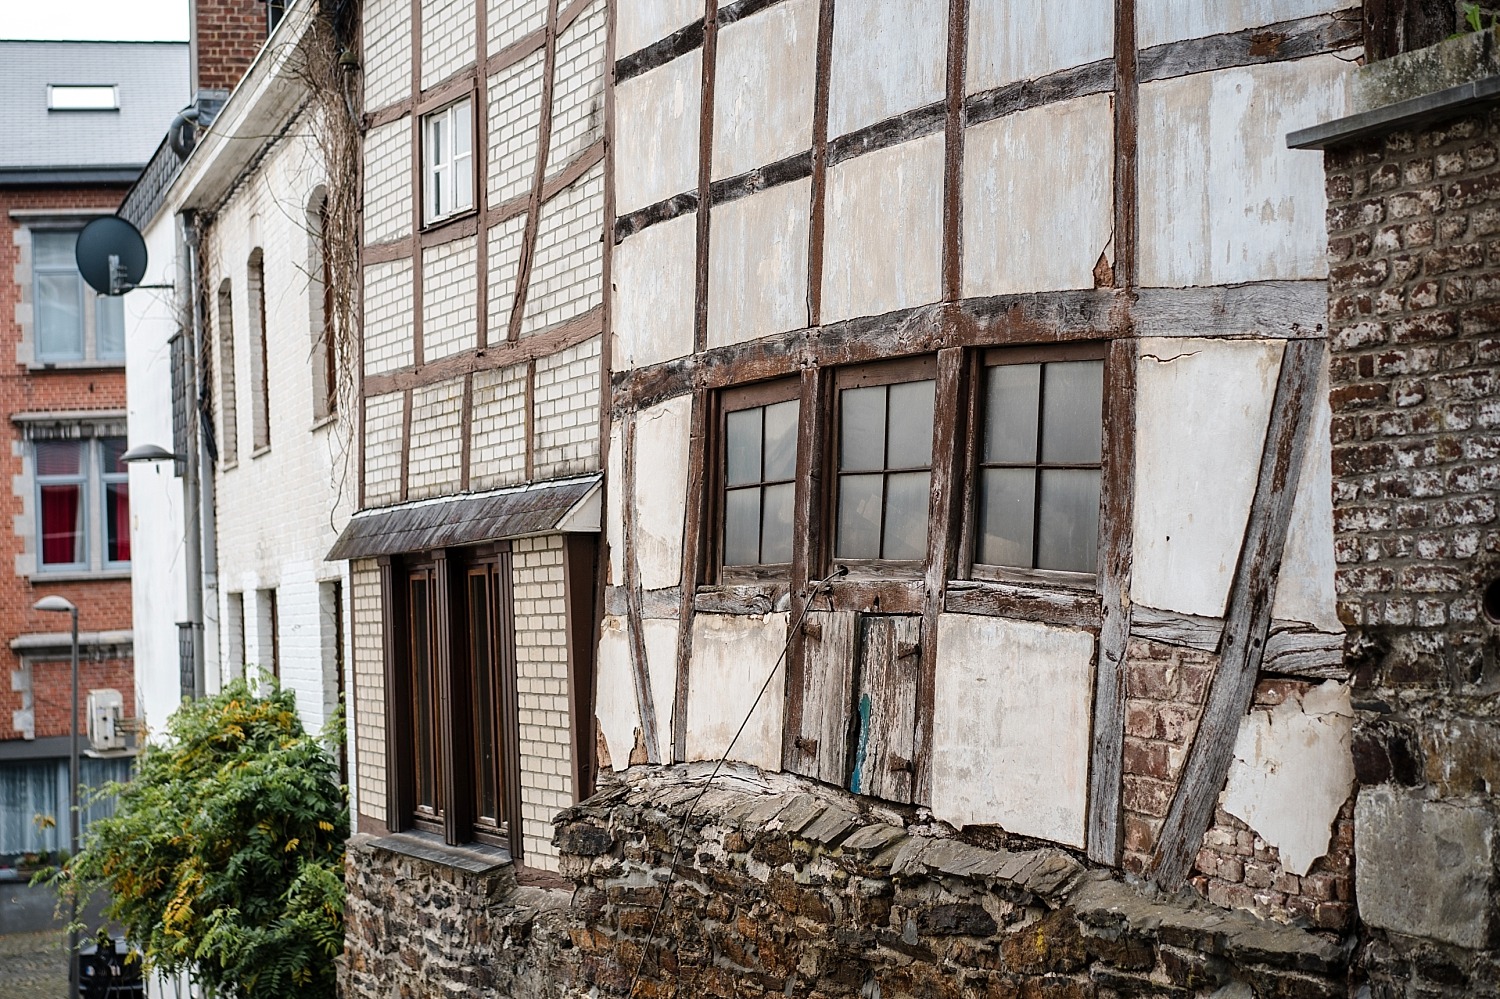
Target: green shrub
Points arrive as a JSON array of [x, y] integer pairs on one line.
[[224, 857]]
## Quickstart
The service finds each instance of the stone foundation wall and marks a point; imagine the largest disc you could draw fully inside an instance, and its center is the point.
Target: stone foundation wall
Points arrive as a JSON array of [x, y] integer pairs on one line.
[[791, 888], [1414, 226]]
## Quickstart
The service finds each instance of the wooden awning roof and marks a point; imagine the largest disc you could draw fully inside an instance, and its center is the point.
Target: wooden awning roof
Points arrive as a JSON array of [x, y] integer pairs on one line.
[[569, 505]]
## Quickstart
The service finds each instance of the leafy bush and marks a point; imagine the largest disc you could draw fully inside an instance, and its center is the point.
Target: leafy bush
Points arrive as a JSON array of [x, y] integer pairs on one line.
[[224, 857]]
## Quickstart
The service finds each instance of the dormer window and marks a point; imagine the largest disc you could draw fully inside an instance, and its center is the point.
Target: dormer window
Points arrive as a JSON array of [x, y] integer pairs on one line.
[[80, 97]]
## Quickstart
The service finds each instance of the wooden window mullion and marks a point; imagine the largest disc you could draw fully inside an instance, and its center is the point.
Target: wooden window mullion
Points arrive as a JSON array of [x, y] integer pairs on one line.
[[509, 733]]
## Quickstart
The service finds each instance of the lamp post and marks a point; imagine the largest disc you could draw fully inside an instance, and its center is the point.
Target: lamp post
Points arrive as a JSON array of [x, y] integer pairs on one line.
[[63, 606]]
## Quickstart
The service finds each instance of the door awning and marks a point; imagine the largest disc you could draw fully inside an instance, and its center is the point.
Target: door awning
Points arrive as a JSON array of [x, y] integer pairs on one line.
[[562, 506]]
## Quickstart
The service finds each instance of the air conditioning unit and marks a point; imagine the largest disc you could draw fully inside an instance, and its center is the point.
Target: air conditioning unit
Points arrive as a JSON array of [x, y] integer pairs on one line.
[[106, 714]]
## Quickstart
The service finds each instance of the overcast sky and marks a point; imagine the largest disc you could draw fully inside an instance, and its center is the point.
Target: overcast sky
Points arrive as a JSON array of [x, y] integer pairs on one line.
[[126, 20]]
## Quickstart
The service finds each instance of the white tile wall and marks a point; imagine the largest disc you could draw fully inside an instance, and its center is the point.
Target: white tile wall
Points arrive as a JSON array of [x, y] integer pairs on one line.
[[450, 299], [566, 271], [567, 411]]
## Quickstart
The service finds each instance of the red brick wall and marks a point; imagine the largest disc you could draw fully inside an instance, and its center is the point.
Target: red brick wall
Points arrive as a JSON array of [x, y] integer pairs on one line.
[[103, 605], [227, 34]]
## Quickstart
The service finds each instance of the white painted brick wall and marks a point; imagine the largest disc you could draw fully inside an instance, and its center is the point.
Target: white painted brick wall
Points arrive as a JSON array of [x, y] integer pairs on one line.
[[388, 182], [567, 411], [388, 314], [542, 692], [369, 685], [497, 453], [504, 260], [447, 38], [566, 274], [515, 108], [387, 57], [383, 449], [449, 299], [578, 88], [435, 461], [510, 20]]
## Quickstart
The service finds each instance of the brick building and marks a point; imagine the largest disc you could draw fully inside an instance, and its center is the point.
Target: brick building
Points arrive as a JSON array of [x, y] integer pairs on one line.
[[80, 120]]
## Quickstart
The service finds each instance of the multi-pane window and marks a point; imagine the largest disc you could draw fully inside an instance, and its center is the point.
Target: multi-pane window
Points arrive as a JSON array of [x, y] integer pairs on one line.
[[260, 359], [83, 504], [448, 161], [462, 753], [884, 462], [760, 467], [71, 322], [1037, 502]]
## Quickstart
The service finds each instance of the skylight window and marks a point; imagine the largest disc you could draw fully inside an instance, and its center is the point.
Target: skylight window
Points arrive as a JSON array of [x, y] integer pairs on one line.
[[74, 97]]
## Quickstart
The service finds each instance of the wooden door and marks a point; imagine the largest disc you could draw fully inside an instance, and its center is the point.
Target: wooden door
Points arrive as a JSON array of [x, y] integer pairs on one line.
[[885, 706]]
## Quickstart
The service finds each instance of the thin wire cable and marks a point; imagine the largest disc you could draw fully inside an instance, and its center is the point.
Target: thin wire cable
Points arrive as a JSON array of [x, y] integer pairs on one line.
[[687, 816]]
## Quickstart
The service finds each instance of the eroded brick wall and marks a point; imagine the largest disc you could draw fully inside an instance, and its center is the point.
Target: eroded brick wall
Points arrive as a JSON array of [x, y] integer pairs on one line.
[[1414, 225]]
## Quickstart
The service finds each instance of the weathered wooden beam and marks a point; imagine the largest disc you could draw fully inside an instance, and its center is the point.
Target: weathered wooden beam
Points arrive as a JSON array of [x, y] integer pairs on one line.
[[1018, 601], [1187, 631], [1261, 309], [742, 599], [1284, 40], [815, 400], [640, 666], [694, 540], [1392, 27], [1104, 833], [1295, 650], [1023, 95], [1248, 619]]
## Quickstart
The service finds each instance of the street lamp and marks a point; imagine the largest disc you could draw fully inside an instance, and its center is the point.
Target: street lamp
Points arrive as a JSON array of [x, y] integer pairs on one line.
[[64, 606]]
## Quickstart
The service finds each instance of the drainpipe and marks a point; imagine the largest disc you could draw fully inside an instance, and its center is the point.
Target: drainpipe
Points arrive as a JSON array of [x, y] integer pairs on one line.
[[192, 498]]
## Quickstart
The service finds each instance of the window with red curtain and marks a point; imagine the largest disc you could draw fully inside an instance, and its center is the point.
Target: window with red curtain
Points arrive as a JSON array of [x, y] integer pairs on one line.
[[116, 501], [61, 478]]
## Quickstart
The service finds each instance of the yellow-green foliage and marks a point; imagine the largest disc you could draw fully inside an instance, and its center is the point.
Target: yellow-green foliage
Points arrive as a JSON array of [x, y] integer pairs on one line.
[[225, 855]]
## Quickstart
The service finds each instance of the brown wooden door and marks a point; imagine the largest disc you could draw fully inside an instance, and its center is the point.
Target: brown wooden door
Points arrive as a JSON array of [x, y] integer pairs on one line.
[[885, 707], [820, 748]]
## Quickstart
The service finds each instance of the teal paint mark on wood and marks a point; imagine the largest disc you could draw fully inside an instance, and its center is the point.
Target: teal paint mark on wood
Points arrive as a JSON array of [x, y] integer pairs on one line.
[[857, 777]]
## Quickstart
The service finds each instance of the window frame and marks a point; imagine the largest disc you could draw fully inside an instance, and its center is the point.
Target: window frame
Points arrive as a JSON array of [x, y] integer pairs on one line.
[[915, 368], [734, 400], [454, 813], [90, 352], [968, 564], [432, 213], [92, 480], [107, 479]]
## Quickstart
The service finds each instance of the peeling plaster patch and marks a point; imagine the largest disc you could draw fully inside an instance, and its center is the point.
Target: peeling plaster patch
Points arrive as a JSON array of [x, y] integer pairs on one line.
[[757, 277], [661, 468], [1292, 771], [1201, 412], [763, 93], [1011, 745], [732, 656], [660, 639]]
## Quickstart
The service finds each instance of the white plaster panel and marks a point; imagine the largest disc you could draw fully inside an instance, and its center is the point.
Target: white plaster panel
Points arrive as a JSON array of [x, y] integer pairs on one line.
[[655, 288], [614, 503], [1013, 40], [1011, 741], [757, 265], [661, 468], [1158, 21], [1298, 751], [888, 57], [732, 657], [638, 23], [1201, 412], [883, 242], [1223, 200], [1304, 587], [1038, 198], [763, 89], [657, 135]]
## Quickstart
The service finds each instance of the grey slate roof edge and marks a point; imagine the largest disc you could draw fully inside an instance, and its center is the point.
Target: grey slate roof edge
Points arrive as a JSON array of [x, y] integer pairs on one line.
[[1422, 110], [48, 176]]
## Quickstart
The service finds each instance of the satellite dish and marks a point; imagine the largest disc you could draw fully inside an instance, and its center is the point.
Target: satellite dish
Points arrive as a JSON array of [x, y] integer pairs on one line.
[[111, 255]]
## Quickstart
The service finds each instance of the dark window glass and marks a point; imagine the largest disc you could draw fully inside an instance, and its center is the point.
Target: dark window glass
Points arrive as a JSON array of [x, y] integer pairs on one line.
[[760, 464], [425, 692], [486, 695], [885, 471], [1038, 502], [59, 297]]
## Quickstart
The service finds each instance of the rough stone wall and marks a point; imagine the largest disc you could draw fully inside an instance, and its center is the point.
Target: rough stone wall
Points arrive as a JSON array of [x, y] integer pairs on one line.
[[1414, 226], [787, 887]]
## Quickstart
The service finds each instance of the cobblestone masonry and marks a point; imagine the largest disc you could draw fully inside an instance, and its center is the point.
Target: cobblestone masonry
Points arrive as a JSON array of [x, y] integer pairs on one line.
[[1414, 311], [789, 888]]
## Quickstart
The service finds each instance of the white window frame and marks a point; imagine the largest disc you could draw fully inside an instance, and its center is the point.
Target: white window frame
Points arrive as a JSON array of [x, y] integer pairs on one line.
[[444, 159], [93, 480]]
